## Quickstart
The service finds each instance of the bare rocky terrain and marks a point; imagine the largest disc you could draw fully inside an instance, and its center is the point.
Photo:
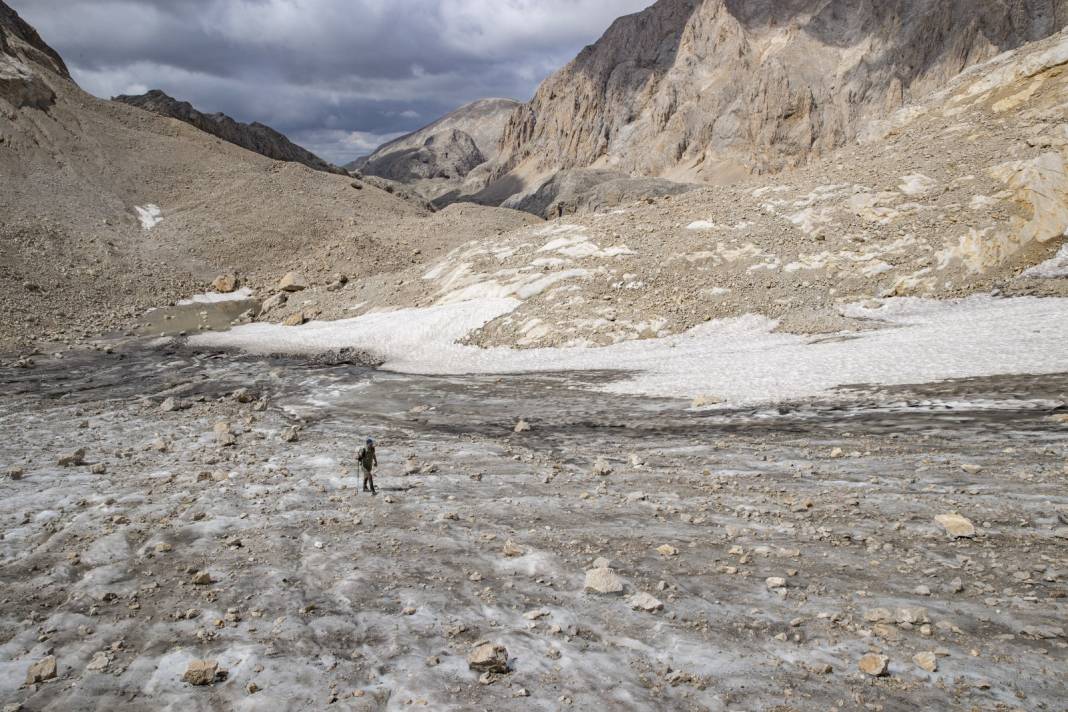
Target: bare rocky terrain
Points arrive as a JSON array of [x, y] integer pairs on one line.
[[182, 525], [962, 194], [439, 159], [255, 136], [109, 210]]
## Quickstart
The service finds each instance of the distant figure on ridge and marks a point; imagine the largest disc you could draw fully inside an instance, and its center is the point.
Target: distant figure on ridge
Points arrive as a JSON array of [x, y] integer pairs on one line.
[[368, 460]]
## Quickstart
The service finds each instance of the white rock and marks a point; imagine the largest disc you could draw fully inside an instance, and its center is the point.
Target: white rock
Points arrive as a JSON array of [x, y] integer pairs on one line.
[[644, 602], [604, 581]]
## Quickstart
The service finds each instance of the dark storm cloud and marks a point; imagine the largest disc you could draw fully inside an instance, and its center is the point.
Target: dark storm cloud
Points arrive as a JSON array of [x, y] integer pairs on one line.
[[338, 76]]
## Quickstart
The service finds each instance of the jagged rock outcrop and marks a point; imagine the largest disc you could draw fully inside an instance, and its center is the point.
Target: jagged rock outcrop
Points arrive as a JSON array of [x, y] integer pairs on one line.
[[713, 90], [255, 136], [20, 48]]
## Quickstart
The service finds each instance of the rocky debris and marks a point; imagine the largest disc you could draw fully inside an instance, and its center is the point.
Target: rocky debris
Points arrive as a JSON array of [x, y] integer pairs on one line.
[[874, 665], [14, 473], [667, 550], [294, 319], [292, 282], [42, 670], [926, 661], [601, 468], [291, 434], [73, 458], [511, 549], [226, 283], [587, 190], [489, 657], [98, 468], [604, 581], [956, 526], [645, 602], [522, 426], [203, 672], [775, 583]]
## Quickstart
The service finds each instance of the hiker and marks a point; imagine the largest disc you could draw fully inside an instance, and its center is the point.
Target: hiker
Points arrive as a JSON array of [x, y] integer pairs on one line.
[[368, 459]]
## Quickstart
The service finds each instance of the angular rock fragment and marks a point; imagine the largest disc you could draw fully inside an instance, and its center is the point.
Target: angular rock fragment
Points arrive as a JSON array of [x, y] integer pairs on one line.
[[42, 670], [225, 283], [644, 602], [292, 282], [74, 458], [203, 672], [956, 526], [489, 657], [926, 661], [100, 662], [874, 665], [604, 581], [202, 578], [601, 468]]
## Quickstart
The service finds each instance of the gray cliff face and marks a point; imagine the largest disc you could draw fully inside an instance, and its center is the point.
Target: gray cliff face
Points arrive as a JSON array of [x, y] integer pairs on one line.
[[450, 155], [255, 136], [714, 90]]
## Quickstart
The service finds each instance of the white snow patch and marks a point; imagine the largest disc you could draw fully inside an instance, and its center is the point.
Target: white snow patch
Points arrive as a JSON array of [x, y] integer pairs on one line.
[[150, 215], [1053, 268], [701, 225], [741, 360], [217, 297]]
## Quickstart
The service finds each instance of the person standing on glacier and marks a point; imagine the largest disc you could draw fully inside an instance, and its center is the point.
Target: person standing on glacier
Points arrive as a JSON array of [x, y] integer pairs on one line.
[[368, 461]]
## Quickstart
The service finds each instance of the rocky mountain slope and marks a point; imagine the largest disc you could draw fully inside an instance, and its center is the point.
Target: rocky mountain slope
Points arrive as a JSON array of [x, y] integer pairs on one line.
[[966, 192], [255, 136], [108, 210], [437, 158], [716, 90]]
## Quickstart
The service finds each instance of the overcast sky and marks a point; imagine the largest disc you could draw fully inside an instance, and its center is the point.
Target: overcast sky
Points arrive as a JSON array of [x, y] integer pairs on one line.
[[337, 76]]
